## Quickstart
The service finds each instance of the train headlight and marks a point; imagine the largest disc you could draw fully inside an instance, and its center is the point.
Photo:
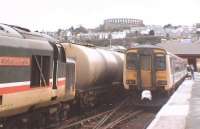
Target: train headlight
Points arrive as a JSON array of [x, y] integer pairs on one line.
[[130, 81], [162, 82]]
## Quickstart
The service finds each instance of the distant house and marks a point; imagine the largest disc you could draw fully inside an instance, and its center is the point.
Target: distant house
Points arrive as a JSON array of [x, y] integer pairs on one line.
[[185, 49]]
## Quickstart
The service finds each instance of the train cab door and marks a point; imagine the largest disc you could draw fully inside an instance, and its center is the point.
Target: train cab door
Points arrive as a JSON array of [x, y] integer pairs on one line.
[[146, 71]]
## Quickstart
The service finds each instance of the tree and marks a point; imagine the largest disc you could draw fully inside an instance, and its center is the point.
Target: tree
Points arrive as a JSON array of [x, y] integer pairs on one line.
[[168, 26], [151, 32], [59, 31], [81, 29], [71, 29]]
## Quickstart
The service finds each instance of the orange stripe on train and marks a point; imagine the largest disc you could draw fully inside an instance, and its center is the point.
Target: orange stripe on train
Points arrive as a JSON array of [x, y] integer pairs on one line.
[[15, 89]]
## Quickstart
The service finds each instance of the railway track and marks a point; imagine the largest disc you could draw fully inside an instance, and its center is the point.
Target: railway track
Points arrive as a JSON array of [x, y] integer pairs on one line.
[[87, 122], [122, 115], [97, 122], [138, 121], [112, 118], [94, 120]]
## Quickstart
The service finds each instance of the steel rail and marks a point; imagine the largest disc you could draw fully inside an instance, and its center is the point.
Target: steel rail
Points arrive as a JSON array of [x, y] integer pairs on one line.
[[104, 119], [124, 117], [85, 120]]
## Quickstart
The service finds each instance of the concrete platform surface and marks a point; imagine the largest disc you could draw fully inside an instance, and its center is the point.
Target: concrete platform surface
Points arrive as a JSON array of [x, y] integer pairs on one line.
[[193, 118], [182, 111]]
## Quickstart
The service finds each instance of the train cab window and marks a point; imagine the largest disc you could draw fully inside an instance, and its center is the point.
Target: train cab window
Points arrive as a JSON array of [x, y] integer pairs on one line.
[[62, 54], [131, 60], [160, 62], [40, 71], [70, 73], [145, 62]]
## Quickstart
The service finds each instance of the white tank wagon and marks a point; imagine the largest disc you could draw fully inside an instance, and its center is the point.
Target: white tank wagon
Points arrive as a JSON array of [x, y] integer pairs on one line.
[[97, 69]]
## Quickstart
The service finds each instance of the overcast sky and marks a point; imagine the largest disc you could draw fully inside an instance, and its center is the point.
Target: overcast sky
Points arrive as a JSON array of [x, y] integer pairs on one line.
[[53, 14]]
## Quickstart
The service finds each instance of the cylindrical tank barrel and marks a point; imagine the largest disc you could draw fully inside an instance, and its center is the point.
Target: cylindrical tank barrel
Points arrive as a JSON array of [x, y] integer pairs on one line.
[[95, 66]]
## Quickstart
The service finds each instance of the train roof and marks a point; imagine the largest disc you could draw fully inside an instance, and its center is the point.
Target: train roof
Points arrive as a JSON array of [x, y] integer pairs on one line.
[[146, 46], [20, 32], [26, 46], [21, 41], [155, 47]]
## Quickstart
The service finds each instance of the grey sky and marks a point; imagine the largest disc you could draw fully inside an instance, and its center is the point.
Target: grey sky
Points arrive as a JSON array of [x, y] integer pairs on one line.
[[54, 14]]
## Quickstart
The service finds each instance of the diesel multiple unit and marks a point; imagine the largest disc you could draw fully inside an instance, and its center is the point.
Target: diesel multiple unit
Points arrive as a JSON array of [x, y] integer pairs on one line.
[[150, 69]]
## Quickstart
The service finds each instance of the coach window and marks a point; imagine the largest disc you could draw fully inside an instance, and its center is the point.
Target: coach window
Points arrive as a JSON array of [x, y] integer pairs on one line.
[[172, 65], [160, 62], [177, 66], [131, 60], [40, 71]]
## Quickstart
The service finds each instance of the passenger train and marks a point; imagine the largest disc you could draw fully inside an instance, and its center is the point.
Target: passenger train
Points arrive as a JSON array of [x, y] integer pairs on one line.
[[40, 80], [150, 69]]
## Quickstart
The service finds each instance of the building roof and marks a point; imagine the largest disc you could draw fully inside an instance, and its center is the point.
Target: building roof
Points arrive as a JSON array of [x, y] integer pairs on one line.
[[181, 48]]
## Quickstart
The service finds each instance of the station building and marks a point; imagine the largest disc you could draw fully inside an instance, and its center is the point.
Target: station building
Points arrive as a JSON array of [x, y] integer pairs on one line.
[[190, 51], [122, 23]]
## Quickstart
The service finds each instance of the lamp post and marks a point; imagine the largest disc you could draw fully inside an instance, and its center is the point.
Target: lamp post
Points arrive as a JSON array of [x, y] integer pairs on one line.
[[110, 39]]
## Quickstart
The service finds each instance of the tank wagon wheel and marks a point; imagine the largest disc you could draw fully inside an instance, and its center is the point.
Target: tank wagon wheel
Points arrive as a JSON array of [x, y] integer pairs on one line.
[[88, 100]]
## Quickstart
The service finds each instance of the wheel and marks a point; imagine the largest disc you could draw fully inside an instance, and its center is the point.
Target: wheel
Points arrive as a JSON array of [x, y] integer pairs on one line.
[[12, 124], [43, 121], [64, 111]]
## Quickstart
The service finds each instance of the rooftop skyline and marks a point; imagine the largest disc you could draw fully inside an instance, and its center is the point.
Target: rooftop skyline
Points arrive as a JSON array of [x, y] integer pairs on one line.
[[49, 15]]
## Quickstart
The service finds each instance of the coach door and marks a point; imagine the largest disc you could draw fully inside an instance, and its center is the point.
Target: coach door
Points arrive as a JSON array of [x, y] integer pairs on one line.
[[70, 74], [145, 71]]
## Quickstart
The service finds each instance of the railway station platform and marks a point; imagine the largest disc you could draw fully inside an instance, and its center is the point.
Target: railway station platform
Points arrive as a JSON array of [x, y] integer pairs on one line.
[[182, 111]]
